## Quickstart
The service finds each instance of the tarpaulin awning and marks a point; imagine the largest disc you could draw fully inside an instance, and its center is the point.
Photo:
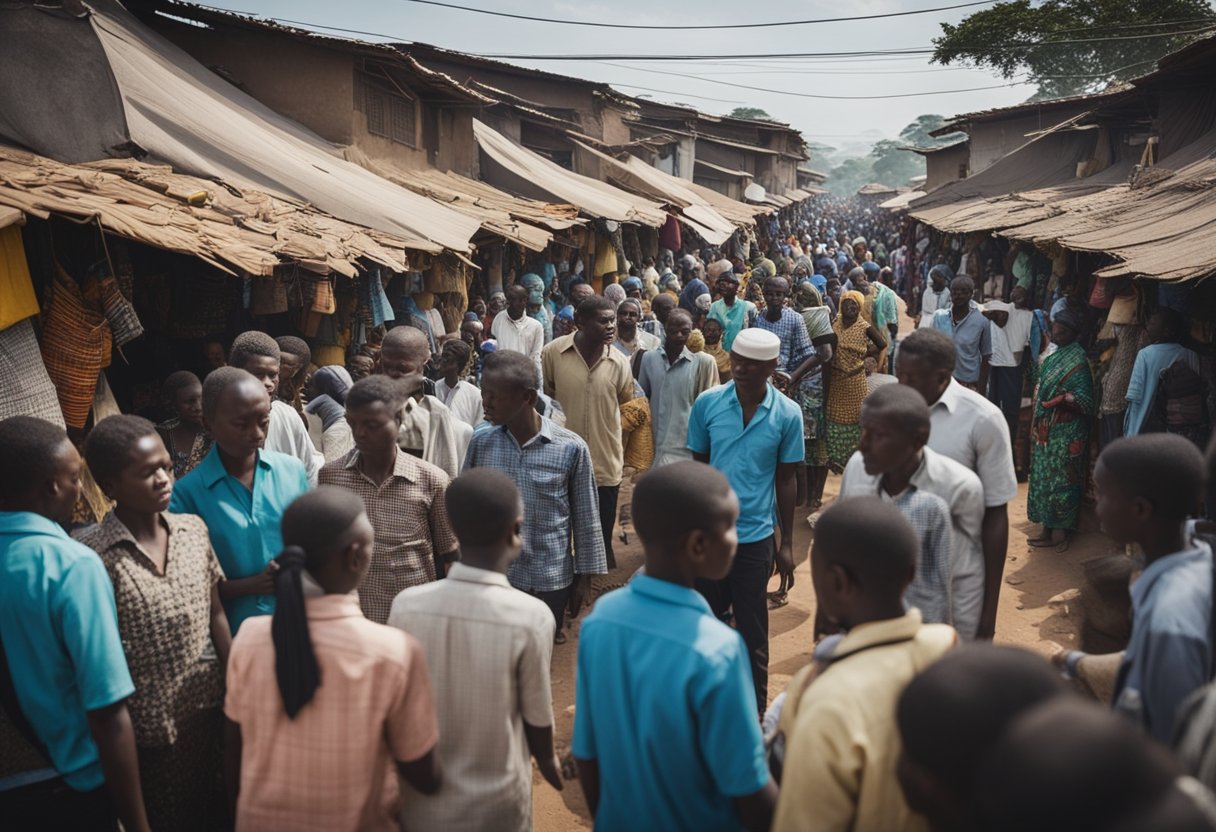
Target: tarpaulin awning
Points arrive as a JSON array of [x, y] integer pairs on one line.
[[530, 223], [11, 216], [521, 171], [250, 232], [117, 88], [734, 174], [632, 174], [900, 202], [740, 213]]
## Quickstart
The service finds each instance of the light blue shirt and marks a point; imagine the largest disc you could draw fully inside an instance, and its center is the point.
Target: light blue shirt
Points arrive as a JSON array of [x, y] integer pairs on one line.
[[59, 626], [243, 523], [748, 456], [672, 389], [1146, 374], [1168, 656], [972, 341], [666, 706]]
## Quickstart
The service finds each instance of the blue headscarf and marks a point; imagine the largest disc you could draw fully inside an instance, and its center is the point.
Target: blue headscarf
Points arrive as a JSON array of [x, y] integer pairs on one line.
[[820, 283]]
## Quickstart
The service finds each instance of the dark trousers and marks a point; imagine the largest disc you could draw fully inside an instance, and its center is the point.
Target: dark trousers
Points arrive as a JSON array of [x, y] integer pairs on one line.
[[1005, 391], [608, 496], [54, 806], [745, 590], [557, 600]]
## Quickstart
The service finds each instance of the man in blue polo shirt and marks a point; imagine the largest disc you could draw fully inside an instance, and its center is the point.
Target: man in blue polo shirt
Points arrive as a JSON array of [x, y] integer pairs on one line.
[[241, 491], [64, 687], [646, 758], [752, 434]]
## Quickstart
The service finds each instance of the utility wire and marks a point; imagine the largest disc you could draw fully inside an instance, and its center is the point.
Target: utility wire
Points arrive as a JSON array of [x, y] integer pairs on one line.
[[696, 27]]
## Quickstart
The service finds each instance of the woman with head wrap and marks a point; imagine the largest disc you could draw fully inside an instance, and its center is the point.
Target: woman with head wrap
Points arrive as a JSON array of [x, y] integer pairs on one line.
[[855, 339], [327, 391], [810, 393], [1059, 435]]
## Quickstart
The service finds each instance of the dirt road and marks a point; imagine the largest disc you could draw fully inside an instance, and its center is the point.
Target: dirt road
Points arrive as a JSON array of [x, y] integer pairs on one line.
[[1032, 578]]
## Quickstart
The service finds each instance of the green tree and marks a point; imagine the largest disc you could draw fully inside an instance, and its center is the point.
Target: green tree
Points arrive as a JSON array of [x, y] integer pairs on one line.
[[893, 165], [1070, 47], [849, 175], [917, 133], [753, 113]]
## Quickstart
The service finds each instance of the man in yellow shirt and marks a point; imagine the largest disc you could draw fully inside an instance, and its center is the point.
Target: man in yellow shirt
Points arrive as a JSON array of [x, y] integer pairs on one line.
[[838, 721]]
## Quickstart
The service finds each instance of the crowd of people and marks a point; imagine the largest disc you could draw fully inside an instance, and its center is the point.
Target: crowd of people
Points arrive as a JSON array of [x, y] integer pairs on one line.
[[328, 597]]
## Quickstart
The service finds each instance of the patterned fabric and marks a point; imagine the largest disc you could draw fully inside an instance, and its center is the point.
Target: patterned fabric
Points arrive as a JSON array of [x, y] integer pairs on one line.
[[553, 473], [165, 623], [809, 396], [722, 359], [183, 784], [31, 391], [184, 459], [636, 434], [795, 344], [1118, 371], [847, 390], [1060, 439], [410, 519]]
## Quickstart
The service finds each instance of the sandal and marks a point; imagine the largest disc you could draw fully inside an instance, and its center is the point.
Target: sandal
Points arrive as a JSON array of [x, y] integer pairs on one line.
[[559, 637], [777, 600]]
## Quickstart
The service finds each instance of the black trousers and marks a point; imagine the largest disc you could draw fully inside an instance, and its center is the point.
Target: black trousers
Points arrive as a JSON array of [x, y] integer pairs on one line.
[[608, 495], [54, 806], [1005, 391], [557, 600], [745, 590]]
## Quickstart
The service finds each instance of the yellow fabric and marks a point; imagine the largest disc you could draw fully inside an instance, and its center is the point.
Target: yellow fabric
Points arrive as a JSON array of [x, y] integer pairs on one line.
[[17, 298], [842, 740], [722, 357], [636, 434], [847, 368], [325, 355]]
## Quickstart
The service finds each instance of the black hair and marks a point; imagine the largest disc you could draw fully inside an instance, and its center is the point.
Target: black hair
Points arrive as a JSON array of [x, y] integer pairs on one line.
[[1165, 469], [482, 505], [671, 501], [715, 321], [409, 340], [1070, 766], [295, 346], [952, 714], [872, 540], [903, 404], [514, 367], [220, 381], [313, 527], [252, 344], [28, 450], [963, 282], [776, 277], [462, 350], [177, 382], [108, 448], [1172, 322], [592, 306], [680, 311], [934, 348], [377, 388], [660, 296]]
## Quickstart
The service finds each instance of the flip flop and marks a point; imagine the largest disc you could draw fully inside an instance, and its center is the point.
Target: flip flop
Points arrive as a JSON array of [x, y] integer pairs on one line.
[[1041, 544], [777, 600]]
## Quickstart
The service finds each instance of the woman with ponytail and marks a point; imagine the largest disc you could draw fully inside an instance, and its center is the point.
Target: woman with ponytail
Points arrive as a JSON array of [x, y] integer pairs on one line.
[[321, 702]]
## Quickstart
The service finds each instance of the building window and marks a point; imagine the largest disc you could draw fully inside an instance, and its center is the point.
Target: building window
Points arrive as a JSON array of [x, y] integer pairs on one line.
[[389, 115]]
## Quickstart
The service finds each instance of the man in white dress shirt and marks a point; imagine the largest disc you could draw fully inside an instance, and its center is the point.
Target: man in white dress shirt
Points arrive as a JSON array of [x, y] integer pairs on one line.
[[971, 430], [516, 330]]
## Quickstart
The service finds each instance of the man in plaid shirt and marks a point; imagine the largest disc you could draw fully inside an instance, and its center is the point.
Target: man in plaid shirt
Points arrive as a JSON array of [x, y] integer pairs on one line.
[[552, 469]]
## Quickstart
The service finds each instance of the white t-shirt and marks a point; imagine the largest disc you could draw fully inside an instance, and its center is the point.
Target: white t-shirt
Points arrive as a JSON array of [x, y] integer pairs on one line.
[[525, 335], [930, 302], [1009, 340], [464, 400]]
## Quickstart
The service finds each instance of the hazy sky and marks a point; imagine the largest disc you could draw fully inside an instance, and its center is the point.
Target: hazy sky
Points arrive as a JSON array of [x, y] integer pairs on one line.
[[834, 122]]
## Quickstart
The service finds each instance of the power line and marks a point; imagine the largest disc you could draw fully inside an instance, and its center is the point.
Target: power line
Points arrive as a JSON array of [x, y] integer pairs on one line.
[[696, 27], [880, 52]]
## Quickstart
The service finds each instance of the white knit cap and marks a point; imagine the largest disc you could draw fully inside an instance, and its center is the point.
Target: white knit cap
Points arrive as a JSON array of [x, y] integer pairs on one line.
[[756, 344]]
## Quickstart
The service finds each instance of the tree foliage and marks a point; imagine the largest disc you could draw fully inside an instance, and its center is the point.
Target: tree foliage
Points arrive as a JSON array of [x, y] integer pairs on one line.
[[887, 162], [1089, 43], [753, 113]]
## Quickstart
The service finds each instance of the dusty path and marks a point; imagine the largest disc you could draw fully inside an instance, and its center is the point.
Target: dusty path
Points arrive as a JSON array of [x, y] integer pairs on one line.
[[1032, 578]]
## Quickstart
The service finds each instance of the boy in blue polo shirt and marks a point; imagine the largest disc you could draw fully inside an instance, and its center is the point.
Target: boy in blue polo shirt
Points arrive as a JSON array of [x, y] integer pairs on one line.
[[665, 731], [66, 682], [241, 490], [753, 435]]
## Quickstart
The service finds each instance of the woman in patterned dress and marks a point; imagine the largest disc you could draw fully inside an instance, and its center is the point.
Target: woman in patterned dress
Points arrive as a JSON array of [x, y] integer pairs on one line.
[[174, 631], [1059, 435], [855, 339], [811, 392]]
